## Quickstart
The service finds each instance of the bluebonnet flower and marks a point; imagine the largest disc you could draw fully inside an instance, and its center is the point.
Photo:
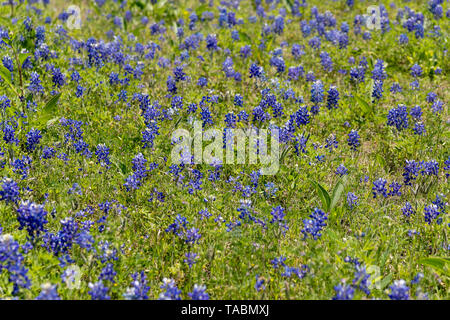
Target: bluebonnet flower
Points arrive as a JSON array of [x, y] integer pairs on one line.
[[316, 96], [32, 217], [326, 61], [416, 112], [341, 170], [379, 188], [353, 140], [245, 51], [403, 39], [277, 214], [33, 138], [58, 78], [278, 25], [22, 166], [431, 213], [333, 98], [315, 43], [206, 116], [395, 88], [447, 166], [294, 73], [419, 128], [278, 62], [204, 214], [139, 288], [310, 76], [62, 241], [149, 134], [191, 259], [11, 260], [410, 171], [437, 106], [10, 191], [192, 235], [395, 189], [431, 97], [8, 64], [5, 102], [278, 262], [107, 273], [343, 292], [352, 200], [299, 272], [315, 224], [415, 85], [202, 82], [211, 42], [179, 226], [361, 278], [417, 278], [416, 70], [399, 290], [9, 134], [256, 71], [75, 76], [179, 73], [259, 284], [198, 293], [377, 92], [171, 291], [35, 83], [80, 91], [408, 210], [440, 203], [107, 252], [331, 143], [102, 154], [379, 73], [271, 189], [300, 144], [85, 240], [429, 168], [48, 153], [48, 292], [98, 291], [317, 92], [297, 50]]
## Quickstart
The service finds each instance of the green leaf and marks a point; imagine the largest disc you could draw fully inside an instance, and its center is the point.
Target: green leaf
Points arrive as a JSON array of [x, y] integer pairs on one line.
[[138, 4], [6, 76], [364, 105], [437, 263], [245, 37], [337, 191], [49, 109], [23, 57], [323, 195], [201, 9], [384, 283]]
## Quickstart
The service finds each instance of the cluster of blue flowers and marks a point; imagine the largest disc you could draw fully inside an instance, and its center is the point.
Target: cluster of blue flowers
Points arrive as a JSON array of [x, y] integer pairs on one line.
[[314, 226]]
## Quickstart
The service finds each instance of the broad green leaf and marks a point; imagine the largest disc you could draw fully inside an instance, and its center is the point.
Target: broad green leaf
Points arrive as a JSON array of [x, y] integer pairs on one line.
[[6, 76], [337, 191], [323, 195], [23, 57], [364, 105], [437, 263], [245, 37], [138, 4], [384, 283], [49, 109]]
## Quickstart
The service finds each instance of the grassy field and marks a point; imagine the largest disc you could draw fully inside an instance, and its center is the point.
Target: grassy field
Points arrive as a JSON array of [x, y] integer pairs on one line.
[[94, 207]]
